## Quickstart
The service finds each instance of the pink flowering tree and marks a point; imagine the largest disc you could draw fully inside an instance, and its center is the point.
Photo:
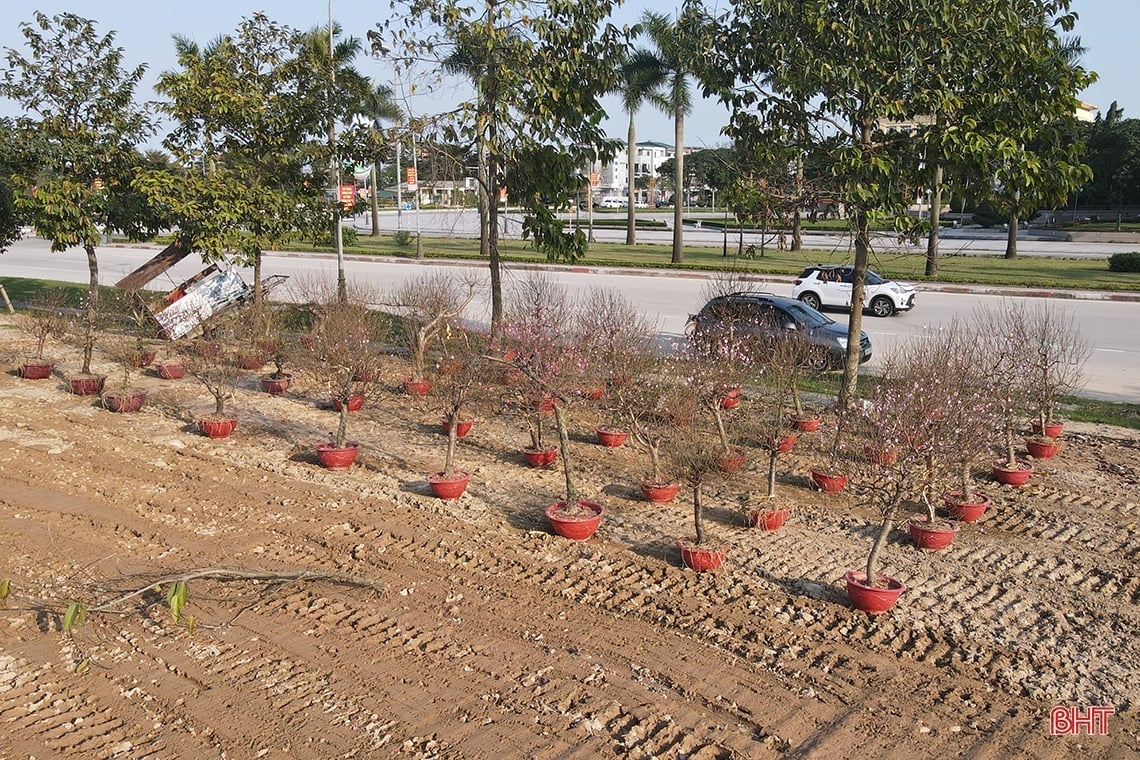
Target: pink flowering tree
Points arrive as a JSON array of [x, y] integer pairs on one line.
[[537, 334]]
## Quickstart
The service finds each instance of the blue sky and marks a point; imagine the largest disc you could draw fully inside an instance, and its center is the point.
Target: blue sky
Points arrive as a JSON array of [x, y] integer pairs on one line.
[[143, 29]]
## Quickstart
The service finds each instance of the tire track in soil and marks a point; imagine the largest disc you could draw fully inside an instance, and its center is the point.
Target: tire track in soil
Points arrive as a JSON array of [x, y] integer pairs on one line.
[[494, 569], [769, 651]]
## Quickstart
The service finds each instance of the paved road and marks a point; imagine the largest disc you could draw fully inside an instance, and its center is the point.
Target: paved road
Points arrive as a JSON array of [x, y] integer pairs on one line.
[[1113, 326], [465, 223]]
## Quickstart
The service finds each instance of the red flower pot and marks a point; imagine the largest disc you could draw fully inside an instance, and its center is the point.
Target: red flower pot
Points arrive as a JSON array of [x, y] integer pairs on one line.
[[540, 457], [577, 524], [731, 399], [35, 370], [936, 535], [880, 456], [769, 519], [218, 427], [1043, 447], [807, 424], [143, 359], [462, 428], [334, 458], [355, 403], [1052, 429], [87, 385], [1012, 476], [828, 482], [660, 494], [611, 437], [417, 387], [700, 558], [872, 599], [732, 461], [171, 371], [131, 401], [542, 404], [966, 510], [449, 487], [784, 444], [250, 362], [275, 386]]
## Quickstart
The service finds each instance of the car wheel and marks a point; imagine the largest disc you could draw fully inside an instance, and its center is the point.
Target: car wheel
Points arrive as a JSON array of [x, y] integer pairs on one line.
[[819, 360], [881, 306], [810, 299]]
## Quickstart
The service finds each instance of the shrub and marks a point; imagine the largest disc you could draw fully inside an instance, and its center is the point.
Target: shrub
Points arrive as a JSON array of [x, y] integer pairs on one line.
[[1124, 262], [403, 238]]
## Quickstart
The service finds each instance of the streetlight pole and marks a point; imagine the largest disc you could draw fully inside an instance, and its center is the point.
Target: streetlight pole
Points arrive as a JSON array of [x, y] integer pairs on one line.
[[341, 285]]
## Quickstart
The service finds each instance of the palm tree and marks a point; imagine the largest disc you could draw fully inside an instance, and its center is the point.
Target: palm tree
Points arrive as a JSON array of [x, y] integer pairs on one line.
[[666, 70], [339, 88], [640, 76], [378, 106]]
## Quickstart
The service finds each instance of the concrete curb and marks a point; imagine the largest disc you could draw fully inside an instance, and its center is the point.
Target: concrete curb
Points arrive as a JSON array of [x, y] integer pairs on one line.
[[925, 287]]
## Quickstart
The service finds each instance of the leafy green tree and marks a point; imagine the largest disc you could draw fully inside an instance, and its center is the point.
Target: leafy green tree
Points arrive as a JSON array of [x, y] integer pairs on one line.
[[10, 220], [75, 146], [1113, 154], [846, 70], [538, 72], [249, 120]]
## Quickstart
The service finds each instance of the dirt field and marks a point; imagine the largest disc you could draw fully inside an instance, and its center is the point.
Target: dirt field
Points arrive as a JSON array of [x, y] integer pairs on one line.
[[488, 637]]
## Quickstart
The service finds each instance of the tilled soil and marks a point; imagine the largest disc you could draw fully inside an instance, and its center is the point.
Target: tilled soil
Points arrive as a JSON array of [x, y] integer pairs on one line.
[[465, 629]]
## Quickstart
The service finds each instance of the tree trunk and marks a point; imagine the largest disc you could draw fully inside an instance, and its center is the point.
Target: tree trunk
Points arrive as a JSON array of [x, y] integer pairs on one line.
[[678, 185], [1011, 238], [698, 524], [848, 389], [257, 278], [564, 450], [880, 539], [773, 454], [342, 425], [92, 308], [374, 178], [449, 460], [631, 211], [935, 221]]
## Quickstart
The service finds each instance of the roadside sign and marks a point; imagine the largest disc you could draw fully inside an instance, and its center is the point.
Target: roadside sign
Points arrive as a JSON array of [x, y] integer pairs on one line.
[[348, 196], [411, 177]]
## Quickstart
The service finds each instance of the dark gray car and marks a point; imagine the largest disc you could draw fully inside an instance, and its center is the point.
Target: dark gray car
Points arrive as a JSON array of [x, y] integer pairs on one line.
[[771, 317]]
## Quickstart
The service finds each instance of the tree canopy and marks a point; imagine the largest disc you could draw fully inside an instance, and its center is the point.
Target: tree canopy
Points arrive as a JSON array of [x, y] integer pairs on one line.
[[538, 71], [833, 78]]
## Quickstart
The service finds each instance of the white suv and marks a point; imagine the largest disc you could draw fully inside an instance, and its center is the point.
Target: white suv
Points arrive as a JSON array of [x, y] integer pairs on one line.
[[830, 286]]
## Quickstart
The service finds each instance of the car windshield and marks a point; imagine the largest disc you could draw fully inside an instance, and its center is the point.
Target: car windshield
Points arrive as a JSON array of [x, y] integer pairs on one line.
[[874, 279], [807, 316]]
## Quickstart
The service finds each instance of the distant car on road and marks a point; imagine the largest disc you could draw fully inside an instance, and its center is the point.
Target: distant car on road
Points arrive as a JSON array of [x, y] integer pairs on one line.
[[768, 317], [825, 286], [613, 201]]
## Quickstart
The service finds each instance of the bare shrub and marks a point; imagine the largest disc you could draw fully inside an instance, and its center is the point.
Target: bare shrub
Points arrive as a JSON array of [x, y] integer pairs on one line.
[[426, 306]]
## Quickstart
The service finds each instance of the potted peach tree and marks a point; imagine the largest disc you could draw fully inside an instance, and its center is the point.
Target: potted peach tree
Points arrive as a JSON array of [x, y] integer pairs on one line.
[[219, 373], [45, 318], [461, 382], [538, 332], [344, 337], [426, 306], [1057, 353]]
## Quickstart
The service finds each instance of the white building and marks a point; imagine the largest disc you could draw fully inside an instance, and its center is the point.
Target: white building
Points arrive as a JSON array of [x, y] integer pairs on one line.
[[613, 177]]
